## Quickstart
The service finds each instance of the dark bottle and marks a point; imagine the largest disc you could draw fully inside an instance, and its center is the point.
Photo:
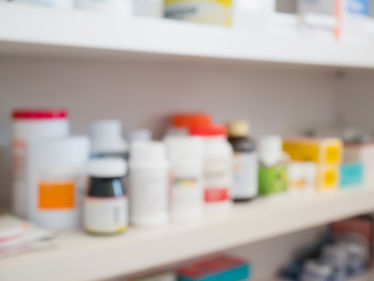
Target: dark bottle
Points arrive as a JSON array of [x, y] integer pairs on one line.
[[105, 205], [245, 175]]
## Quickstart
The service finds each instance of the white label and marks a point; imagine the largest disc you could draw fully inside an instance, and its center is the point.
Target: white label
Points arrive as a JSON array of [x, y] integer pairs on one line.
[[149, 192], [105, 214], [245, 175], [187, 196]]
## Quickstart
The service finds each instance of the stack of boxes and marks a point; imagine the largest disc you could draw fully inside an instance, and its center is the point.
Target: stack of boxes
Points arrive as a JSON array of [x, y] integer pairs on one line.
[[315, 162]]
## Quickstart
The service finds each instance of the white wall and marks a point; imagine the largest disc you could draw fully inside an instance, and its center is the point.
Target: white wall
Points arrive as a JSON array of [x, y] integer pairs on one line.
[[275, 99]]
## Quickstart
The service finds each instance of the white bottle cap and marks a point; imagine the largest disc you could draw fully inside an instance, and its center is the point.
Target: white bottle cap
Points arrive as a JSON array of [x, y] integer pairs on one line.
[[107, 168], [270, 150], [139, 135], [182, 147], [107, 137], [148, 151]]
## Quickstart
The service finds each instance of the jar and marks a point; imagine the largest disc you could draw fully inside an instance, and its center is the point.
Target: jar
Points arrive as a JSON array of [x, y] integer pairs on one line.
[[105, 205], [245, 171], [218, 155], [149, 183], [31, 124], [186, 155]]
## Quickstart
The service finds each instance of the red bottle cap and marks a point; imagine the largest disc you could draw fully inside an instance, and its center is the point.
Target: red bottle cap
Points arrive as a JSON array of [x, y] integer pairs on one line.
[[187, 120], [209, 131], [39, 114]]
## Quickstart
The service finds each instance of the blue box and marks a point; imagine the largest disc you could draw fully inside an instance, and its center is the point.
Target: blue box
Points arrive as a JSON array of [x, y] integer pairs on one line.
[[351, 175]]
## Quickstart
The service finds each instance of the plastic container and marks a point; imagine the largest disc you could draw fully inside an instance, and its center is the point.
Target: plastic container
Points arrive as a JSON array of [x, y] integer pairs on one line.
[[31, 124], [149, 8], [180, 123], [245, 167], [149, 184], [139, 135], [105, 205], [217, 166], [121, 8], [107, 140], [56, 173], [273, 177], [61, 4], [186, 156]]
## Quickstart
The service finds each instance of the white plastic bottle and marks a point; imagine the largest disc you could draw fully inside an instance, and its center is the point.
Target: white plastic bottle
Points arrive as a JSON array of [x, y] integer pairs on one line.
[[149, 184], [107, 139], [186, 155], [121, 8], [218, 157], [56, 173], [28, 125]]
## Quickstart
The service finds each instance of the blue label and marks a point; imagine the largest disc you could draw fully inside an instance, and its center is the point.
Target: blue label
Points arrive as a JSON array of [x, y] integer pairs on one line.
[[351, 174], [358, 7]]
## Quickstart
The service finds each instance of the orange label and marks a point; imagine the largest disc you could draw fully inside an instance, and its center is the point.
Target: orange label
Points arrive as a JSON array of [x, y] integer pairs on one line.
[[56, 194]]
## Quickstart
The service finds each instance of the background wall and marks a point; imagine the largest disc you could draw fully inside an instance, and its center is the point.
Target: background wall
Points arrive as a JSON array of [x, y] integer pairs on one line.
[[275, 99]]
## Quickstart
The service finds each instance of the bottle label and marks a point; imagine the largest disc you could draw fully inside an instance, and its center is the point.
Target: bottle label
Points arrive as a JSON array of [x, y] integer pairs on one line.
[[245, 175], [105, 215], [55, 195], [217, 180], [186, 193], [273, 179]]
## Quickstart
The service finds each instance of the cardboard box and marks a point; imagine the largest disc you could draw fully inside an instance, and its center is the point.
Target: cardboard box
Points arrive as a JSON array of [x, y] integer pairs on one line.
[[318, 150]]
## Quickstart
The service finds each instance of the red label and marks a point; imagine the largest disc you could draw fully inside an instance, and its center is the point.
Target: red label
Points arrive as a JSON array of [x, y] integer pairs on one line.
[[216, 195]]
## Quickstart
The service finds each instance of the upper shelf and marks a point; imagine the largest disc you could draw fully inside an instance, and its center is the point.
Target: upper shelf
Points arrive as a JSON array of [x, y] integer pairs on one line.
[[80, 257], [34, 30]]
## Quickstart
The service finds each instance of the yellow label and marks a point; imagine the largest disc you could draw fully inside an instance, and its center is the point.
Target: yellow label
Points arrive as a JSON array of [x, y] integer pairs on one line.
[[56, 194], [333, 154], [302, 151], [327, 177]]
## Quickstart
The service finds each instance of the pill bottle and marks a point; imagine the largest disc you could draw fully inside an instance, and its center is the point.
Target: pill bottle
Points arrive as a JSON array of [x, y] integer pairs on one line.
[[31, 124], [149, 184], [245, 168], [273, 176], [139, 135], [186, 155], [181, 122], [107, 139], [56, 181], [105, 204], [218, 155]]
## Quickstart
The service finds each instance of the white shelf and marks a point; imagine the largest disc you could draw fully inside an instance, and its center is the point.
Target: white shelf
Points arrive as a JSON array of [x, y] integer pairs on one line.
[[81, 257], [33, 30]]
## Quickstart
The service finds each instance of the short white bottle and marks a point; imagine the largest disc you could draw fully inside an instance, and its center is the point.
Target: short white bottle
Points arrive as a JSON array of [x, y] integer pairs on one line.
[[218, 158], [107, 139], [149, 184], [186, 156]]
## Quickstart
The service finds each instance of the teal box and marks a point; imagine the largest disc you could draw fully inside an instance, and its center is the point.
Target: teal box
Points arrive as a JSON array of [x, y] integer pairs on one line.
[[220, 268], [351, 174]]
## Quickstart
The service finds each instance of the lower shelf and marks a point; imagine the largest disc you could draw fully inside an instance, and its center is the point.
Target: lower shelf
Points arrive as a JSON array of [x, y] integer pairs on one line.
[[78, 256]]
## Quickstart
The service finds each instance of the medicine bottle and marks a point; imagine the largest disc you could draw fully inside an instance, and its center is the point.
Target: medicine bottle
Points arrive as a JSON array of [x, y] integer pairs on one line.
[[107, 139], [105, 205], [186, 155], [245, 167], [28, 125], [218, 155], [273, 176], [149, 183]]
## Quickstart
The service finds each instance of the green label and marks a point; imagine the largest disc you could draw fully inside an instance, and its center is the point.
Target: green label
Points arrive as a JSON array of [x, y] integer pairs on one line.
[[273, 179]]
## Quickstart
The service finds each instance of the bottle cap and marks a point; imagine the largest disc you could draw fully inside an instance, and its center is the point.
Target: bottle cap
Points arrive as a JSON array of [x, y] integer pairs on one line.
[[40, 114], [139, 135], [148, 151], [107, 168], [209, 131], [270, 150], [182, 147], [187, 120], [107, 136], [238, 128]]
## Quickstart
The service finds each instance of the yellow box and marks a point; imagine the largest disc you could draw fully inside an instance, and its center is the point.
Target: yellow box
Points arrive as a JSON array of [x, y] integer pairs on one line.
[[327, 177], [324, 150]]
